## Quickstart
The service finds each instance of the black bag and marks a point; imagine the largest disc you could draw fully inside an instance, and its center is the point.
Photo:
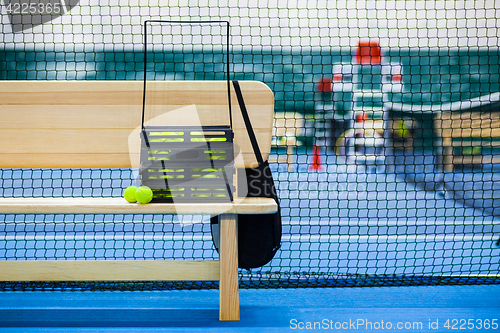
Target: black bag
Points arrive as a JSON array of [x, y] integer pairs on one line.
[[259, 235]]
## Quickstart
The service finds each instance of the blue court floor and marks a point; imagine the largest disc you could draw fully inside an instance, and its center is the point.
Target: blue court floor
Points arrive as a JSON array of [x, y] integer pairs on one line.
[[396, 309], [404, 198]]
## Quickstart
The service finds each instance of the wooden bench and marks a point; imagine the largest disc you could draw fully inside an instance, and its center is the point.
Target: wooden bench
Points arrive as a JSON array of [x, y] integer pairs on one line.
[[88, 124], [470, 130], [287, 127]]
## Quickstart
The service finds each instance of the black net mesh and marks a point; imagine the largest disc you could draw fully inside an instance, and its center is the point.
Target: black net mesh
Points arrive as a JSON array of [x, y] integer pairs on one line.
[[385, 137]]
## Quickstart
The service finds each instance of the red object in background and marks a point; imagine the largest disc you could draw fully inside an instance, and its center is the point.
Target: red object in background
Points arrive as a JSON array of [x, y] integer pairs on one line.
[[316, 159], [397, 78], [324, 85], [361, 117], [337, 77], [368, 53]]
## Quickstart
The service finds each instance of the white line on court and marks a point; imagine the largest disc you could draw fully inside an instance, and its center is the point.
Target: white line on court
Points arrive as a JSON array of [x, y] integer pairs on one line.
[[334, 222], [393, 222], [401, 239], [93, 237], [286, 238]]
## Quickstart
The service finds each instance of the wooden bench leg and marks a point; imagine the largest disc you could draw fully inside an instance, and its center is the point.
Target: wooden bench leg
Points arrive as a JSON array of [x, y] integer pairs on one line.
[[229, 305], [447, 155], [289, 160]]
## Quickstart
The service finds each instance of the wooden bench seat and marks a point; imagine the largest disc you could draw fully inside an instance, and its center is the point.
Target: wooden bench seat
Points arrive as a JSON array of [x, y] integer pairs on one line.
[[120, 206], [287, 127], [95, 124], [467, 131]]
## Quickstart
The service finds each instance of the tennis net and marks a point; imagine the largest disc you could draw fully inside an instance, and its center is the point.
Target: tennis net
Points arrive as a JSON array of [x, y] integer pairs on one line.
[[366, 191]]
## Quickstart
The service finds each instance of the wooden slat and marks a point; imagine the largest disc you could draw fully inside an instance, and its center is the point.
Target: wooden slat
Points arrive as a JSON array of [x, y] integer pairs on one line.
[[475, 159], [71, 141], [470, 123], [117, 116], [470, 132], [66, 117], [70, 161], [56, 118], [65, 141], [120, 206], [123, 92], [485, 142], [469, 115], [109, 270]]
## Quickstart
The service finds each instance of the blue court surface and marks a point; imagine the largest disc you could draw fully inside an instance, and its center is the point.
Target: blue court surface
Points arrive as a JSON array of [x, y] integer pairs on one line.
[[341, 220], [396, 309]]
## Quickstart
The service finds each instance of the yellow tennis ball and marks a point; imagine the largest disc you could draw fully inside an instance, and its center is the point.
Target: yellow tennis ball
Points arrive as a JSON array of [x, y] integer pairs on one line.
[[144, 195], [402, 129], [129, 194]]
